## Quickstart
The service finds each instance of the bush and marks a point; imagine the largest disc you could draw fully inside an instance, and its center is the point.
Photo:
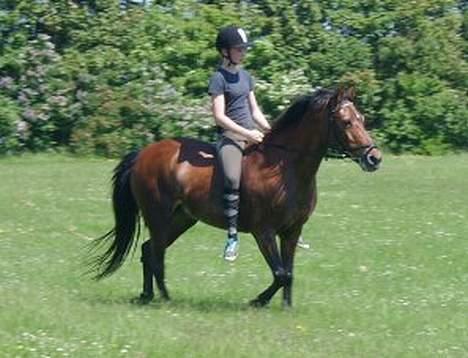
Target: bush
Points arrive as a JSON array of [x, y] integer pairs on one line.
[[12, 128], [101, 79], [423, 115]]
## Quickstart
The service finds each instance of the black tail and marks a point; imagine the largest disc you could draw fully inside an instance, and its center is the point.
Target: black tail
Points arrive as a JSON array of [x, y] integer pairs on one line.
[[127, 221]]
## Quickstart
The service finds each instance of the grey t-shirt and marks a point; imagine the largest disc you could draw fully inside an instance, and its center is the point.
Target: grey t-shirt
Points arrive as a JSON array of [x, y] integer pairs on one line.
[[236, 88]]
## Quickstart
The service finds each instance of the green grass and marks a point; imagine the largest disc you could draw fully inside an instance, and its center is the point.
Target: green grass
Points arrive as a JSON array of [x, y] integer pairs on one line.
[[387, 275]]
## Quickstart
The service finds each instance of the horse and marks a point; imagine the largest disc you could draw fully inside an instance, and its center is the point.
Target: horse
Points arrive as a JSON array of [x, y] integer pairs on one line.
[[175, 183]]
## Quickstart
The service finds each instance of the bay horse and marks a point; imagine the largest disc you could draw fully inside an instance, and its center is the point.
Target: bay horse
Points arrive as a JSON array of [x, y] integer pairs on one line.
[[174, 183]]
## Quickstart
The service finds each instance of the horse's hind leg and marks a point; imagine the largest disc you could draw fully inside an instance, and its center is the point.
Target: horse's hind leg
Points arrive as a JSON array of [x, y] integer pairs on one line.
[[148, 290], [153, 257]]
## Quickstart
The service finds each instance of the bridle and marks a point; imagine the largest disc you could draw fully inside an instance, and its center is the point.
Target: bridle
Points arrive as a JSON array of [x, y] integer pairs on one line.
[[337, 147]]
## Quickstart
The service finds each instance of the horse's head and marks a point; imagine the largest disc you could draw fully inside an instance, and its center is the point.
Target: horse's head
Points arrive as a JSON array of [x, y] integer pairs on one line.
[[347, 134]]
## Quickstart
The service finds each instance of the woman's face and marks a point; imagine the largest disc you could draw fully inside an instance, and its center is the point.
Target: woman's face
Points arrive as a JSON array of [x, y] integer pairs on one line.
[[237, 54]]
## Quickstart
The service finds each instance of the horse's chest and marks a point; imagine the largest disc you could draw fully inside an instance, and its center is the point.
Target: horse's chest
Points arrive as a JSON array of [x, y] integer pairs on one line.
[[277, 198]]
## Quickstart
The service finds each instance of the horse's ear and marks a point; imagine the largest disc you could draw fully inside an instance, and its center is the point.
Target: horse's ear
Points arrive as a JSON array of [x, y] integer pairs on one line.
[[351, 93], [338, 97], [340, 94]]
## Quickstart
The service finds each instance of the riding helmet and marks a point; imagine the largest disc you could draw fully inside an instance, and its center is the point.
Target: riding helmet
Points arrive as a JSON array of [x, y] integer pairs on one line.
[[231, 36]]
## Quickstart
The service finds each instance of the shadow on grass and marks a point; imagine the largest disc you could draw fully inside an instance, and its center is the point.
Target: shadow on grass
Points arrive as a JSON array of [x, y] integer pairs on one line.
[[209, 304], [200, 304]]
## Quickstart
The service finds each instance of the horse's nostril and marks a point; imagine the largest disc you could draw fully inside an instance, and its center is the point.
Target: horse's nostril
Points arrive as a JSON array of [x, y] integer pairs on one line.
[[373, 160]]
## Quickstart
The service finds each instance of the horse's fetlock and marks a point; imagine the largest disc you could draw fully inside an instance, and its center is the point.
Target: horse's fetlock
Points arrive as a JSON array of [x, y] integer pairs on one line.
[[282, 276], [280, 273]]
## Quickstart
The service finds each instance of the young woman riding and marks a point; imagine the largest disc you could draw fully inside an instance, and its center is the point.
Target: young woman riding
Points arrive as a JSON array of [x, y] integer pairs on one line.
[[239, 120]]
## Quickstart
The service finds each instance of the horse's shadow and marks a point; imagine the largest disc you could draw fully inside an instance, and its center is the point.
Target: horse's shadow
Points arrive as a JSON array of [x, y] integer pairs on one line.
[[206, 304], [200, 304]]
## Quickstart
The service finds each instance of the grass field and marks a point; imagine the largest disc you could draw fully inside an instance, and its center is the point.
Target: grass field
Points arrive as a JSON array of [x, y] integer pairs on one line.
[[387, 275]]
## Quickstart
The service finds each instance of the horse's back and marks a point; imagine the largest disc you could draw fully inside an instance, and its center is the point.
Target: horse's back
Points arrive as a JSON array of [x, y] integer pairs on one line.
[[173, 152], [180, 164]]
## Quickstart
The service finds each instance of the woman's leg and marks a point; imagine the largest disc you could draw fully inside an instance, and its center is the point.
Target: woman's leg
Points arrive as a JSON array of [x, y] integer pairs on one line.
[[230, 155]]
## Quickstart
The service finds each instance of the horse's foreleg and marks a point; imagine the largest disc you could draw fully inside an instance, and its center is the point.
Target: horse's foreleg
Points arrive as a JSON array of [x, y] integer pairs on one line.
[[288, 248], [264, 298], [269, 249]]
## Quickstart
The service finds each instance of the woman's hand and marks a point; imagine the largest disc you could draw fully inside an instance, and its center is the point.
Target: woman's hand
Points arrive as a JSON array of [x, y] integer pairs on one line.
[[254, 136], [266, 128]]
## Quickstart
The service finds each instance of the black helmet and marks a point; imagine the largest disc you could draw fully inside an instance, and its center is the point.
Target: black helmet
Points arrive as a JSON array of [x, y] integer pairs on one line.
[[231, 36]]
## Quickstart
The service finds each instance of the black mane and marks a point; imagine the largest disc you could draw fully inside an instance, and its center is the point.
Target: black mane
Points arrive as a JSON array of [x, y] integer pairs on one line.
[[293, 115]]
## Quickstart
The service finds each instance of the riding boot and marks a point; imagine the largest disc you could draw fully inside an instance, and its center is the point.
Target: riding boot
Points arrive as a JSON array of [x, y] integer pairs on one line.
[[231, 213]]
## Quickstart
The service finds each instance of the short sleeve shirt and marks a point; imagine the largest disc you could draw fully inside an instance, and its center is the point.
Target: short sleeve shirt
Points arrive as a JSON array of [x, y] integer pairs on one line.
[[236, 88]]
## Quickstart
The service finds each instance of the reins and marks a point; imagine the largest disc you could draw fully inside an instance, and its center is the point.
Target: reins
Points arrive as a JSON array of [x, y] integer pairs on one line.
[[336, 149]]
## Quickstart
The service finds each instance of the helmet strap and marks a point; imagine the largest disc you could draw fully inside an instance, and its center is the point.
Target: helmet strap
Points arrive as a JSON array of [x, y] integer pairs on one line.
[[229, 58]]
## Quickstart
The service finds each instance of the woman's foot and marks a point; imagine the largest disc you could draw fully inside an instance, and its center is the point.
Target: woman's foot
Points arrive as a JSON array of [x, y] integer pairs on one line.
[[302, 244], [231, 250]]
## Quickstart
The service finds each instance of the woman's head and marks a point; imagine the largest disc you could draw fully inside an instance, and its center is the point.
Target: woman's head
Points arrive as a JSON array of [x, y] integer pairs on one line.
[[232, 44]]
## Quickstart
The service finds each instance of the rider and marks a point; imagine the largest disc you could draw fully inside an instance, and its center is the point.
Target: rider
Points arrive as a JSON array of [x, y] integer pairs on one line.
[[239, 121]]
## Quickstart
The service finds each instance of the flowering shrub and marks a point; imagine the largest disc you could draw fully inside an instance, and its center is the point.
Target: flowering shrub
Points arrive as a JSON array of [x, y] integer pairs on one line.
[[12, 128], [98, 78]]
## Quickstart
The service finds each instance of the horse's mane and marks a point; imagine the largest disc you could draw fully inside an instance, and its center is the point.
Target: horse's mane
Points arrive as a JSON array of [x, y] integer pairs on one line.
[[294, 113]]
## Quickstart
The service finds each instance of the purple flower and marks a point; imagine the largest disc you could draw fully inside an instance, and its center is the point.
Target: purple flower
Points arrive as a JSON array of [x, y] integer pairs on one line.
[[22, 98], [58, 100], [30, 115], [6, 82]]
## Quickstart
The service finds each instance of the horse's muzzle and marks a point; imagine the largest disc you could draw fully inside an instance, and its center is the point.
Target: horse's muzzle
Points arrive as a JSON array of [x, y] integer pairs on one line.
[[370, 159]]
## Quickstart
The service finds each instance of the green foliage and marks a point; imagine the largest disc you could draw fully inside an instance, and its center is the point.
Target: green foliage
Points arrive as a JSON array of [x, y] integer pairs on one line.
[[95, 77], [424, 115], [10, 120]]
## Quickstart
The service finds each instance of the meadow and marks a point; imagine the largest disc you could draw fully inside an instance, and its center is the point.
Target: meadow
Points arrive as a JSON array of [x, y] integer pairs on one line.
[[386, 276]]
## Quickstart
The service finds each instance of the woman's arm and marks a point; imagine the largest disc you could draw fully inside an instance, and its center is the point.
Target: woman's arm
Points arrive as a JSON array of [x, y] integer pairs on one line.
[[218, 109], [257, 113]]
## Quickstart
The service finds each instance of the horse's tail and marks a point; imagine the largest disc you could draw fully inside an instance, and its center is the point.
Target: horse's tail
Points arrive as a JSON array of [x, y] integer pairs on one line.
[[127, 221]]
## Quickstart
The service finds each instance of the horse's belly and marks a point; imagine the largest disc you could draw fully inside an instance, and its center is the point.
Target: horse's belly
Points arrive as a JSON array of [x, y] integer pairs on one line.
[[206, 212]]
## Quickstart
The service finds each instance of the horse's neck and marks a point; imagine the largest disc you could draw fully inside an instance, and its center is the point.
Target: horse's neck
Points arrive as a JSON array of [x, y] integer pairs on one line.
[[308, 140], [305, 145]]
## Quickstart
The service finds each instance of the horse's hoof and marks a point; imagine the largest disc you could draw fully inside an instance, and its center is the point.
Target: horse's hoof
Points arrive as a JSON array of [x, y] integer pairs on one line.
[[258, 303], [143, 299], [287, 306], [165, 297]]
